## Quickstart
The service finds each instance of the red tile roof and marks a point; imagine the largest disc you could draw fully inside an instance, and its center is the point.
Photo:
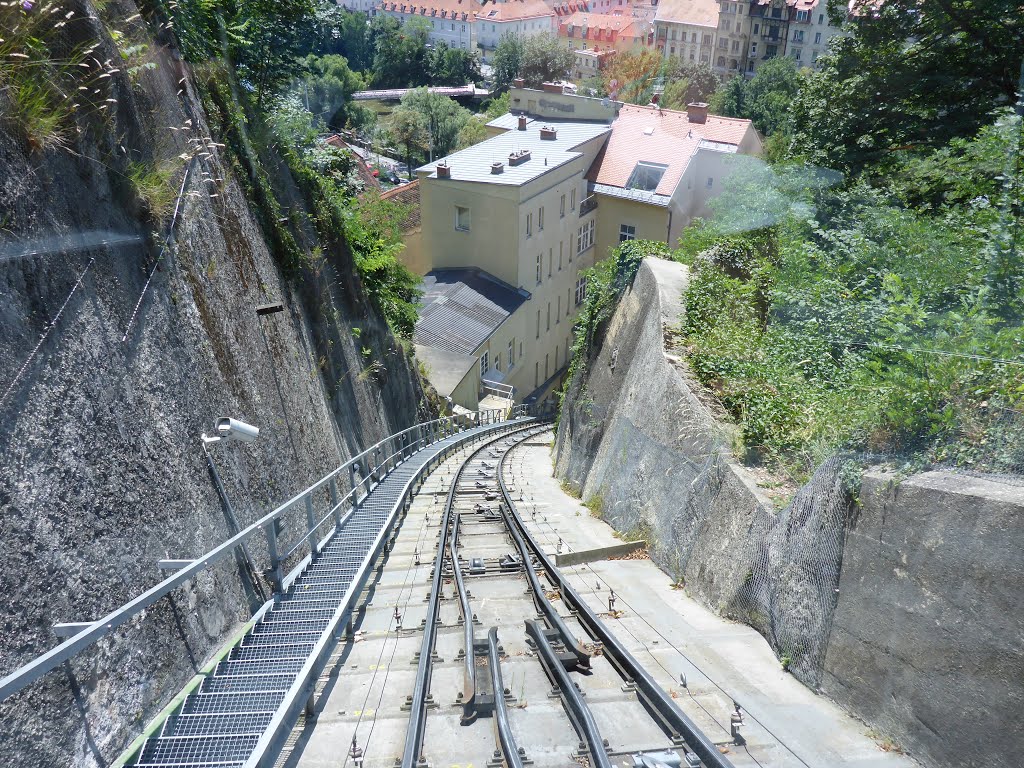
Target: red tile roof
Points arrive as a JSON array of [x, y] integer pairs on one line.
[[666, 137], [406, 194], [613, 26]]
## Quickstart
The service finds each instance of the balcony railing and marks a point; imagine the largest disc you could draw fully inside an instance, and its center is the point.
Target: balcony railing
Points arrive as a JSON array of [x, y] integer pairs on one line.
[[587, 205]]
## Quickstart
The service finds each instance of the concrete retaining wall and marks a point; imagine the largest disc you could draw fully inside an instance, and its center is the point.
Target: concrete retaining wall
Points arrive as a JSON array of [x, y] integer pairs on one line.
[[928, 635]]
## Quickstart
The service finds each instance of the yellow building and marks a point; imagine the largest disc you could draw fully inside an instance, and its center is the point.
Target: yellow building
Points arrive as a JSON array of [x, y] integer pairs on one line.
[[659, 169], [510, 225]]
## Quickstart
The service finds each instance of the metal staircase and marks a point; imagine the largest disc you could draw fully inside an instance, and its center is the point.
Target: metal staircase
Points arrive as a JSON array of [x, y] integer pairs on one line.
[[241, 713]]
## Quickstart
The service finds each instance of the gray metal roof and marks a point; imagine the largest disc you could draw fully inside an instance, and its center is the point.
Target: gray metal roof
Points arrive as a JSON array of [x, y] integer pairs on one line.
[[462, 308], [639, 195], [474, 163]]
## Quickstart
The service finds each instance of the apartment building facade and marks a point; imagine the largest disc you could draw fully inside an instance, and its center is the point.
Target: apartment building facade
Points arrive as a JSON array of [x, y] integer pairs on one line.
[[737, 37], [469, 24], [512, 207], [510, 225]]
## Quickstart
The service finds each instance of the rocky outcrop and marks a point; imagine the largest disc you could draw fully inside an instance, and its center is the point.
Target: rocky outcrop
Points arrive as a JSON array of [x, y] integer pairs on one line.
[[101, 468], [907, 609]]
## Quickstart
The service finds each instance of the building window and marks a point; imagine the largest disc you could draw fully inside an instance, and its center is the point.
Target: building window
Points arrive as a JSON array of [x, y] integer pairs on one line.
[[585, 237], [646, 176], [721, 61], [536, 375], [558, 312], [572, 200], [561, 247], [798, 35], [797, 53], [497, 362], [461, 218], [529, 224], [581, 290], [626, 232], [540, 219], [546, 365], [538, 323], [561, 208], [556, 355], [817, 38], [540, 259], [549, 323], [757, 28], [484, 365], [711, 182], [570, 249], [512, 354], [753, 49]]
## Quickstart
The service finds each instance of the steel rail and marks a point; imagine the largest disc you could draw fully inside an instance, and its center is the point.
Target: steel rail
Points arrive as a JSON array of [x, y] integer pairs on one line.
[[411, 753], [555, 621], [469, 662], [581, 713], [427, 434], [656, 699], [507, 740]]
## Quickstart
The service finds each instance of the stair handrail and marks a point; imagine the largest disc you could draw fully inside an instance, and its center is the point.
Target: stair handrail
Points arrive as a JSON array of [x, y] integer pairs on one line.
[[400, 443]]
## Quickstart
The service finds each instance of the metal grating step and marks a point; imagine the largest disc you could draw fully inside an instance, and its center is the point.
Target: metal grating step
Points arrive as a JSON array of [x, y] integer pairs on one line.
[[272, 652], [246, 684], [242, 723], [277, 638], [219, 703], [262, 666], [198, 750]]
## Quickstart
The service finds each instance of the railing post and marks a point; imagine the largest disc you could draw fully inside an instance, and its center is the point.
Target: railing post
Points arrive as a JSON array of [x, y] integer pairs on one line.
[[333, 487], [275, 561], [311, 525], [352, 484]]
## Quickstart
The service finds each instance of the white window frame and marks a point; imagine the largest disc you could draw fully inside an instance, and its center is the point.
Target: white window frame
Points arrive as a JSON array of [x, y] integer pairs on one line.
[[485, 364], [627, 232]]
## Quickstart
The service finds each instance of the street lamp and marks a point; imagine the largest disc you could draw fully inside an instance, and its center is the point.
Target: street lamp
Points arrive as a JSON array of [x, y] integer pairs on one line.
[[226, 430]]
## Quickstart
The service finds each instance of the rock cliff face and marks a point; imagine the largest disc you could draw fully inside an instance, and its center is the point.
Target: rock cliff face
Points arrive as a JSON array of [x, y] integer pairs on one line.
[[101, 468], [928, 637], [906, 609]]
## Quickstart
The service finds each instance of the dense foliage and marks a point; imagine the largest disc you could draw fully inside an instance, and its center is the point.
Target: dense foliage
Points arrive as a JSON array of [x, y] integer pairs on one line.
[[885, 317]]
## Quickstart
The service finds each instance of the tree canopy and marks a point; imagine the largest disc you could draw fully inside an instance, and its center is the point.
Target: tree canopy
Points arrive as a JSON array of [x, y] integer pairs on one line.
[[916, 73], [545, 59]]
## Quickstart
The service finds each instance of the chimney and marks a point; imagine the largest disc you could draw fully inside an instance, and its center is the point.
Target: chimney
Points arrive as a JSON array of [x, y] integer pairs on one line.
[[522, 122], [518, 82], [497, 167], [444, 171], [518, 158], [697, 112], [551, 87], [548, 133]]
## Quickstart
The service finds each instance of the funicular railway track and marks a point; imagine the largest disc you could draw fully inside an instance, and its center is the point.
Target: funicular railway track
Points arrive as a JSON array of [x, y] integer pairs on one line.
[[611, 708]]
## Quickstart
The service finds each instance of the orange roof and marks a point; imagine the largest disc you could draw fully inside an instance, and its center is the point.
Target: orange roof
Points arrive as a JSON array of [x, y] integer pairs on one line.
[[666, 137], [406, 194], [445, 9], [701, 13], [623, 26]]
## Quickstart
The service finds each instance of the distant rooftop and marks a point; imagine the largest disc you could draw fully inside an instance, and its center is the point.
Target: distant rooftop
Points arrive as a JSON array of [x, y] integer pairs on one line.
[[462, 308], [474, 163], [699, 13], [650, 148], [406, 195]]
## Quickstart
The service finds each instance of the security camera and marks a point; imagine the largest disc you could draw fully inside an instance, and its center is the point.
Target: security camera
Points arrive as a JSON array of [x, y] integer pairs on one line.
[[233, 429]]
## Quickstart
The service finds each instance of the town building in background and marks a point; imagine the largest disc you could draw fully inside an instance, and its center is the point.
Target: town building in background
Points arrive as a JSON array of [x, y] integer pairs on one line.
[[509, 226]]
